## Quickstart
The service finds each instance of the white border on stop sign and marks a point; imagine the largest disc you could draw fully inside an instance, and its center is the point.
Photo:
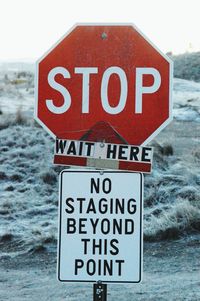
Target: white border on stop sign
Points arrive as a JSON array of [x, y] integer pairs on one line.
[[163, 125]]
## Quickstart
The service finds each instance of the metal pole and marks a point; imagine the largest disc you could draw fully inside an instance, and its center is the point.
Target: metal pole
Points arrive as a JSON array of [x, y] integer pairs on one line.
[[99, 291]]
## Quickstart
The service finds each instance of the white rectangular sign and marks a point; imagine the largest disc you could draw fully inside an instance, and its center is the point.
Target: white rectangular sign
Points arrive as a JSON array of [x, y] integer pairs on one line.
[[100, 231]]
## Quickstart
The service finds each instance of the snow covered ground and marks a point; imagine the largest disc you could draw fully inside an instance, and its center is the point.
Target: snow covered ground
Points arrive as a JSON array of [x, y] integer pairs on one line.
[[16, 87], [186, 98], [25, 174], [29, 199]]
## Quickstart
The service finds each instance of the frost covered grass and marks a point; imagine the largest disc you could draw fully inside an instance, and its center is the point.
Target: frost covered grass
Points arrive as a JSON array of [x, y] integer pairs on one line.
[[28, 203], [29, 181], [172, 196], [29, 189], [173, 222]]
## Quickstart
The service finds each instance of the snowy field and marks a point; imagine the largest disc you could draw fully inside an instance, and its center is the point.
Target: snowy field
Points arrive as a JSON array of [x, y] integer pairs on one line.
[[29, 202]]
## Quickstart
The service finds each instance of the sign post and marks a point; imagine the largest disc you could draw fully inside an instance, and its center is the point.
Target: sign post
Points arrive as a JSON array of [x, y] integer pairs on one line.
[[99, 291], [102, 92]]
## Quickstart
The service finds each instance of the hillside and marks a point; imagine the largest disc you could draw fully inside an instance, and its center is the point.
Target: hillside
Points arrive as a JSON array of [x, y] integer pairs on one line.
[[187, 66]]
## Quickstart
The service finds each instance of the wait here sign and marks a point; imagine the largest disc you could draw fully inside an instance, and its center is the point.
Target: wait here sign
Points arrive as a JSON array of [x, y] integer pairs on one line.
[[100, 232]]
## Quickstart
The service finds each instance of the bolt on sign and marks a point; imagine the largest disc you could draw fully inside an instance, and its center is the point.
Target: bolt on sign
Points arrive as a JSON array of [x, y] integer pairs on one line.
[[100, 232], [104, 83]]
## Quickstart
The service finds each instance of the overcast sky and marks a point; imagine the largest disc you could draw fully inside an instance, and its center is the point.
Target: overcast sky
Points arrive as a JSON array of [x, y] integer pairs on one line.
[[28, 28]]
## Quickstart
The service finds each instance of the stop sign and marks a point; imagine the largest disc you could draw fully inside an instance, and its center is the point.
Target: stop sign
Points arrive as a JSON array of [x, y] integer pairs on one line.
[[103, 73]]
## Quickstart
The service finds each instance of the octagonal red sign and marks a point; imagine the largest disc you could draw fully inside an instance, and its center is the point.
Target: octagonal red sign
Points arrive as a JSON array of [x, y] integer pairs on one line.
[[104, 74]]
